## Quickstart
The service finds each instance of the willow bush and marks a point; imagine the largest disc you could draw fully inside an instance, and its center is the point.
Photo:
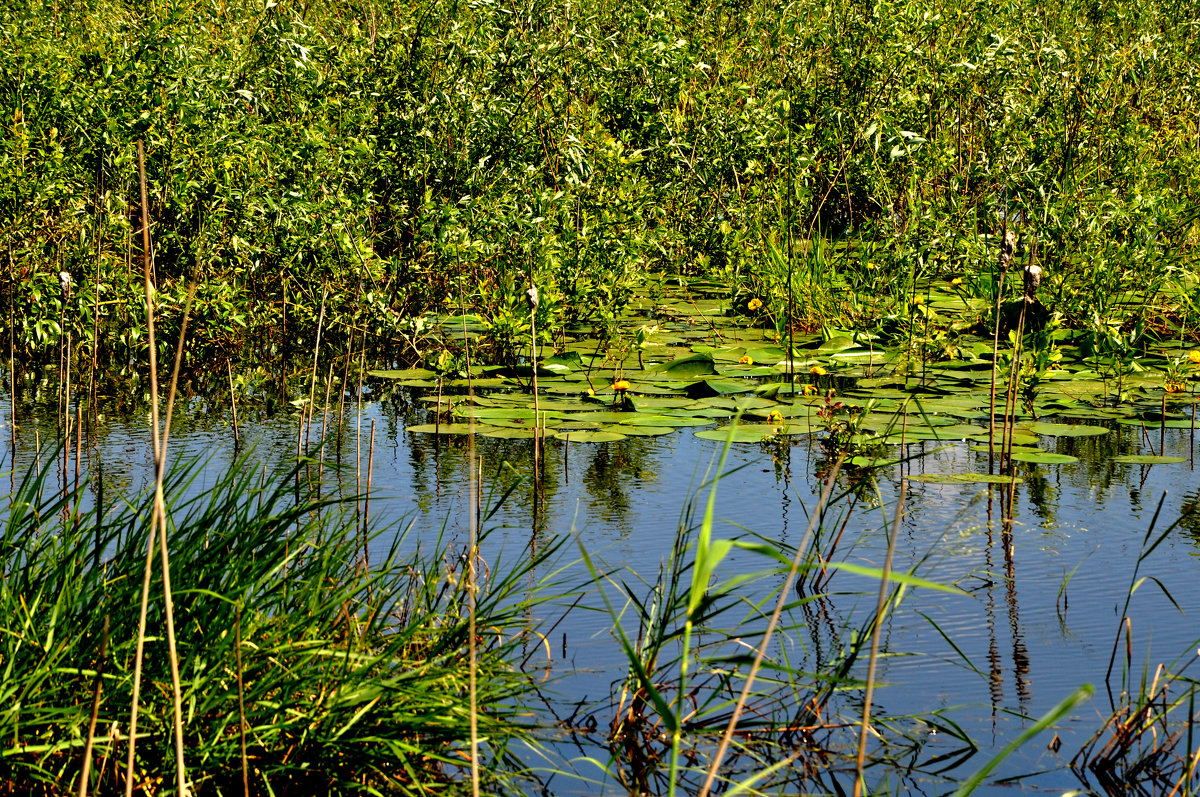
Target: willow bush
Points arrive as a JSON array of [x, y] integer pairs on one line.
[[404, 159]]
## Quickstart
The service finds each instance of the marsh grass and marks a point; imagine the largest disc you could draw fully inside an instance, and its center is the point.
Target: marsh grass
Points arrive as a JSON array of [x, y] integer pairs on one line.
[[297, 664], [743, 683], [1147, 745]]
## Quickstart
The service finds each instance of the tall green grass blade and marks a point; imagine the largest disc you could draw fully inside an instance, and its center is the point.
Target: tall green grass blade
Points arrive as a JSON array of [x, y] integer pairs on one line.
[[1066, 706]]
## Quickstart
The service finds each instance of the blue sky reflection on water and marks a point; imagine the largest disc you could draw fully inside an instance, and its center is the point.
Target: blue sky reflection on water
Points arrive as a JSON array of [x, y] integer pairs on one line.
[[1041, 600]]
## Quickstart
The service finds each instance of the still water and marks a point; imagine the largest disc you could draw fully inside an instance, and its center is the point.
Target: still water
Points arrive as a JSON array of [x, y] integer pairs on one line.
[[1038, 612]]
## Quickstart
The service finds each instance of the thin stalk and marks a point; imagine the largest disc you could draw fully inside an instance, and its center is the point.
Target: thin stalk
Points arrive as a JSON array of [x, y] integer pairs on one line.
[[367, 499], [1010, 397], [791, 298], [237, 440], [158, 521], [85, 773], [96, 305], [324, 426], [65, 377], [1007, 243], [785, 592], [12, 383], [78, 456], [532, 297], [880, 609], [312, 388], [237, 639], [137, 671], [160, 517], [341, 413], [472, 652], [1162, 427], [362, 353]]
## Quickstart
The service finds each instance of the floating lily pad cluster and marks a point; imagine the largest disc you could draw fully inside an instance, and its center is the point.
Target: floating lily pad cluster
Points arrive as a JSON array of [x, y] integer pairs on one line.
[[695, 366]]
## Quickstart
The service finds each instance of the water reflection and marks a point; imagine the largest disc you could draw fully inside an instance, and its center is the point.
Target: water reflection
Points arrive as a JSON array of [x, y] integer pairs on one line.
[[1010, 545]]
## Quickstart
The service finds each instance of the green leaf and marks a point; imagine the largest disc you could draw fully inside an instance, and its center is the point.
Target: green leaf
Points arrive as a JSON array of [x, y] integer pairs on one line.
[[896, 577], [963, 478], [688, 367], [1043, 457]]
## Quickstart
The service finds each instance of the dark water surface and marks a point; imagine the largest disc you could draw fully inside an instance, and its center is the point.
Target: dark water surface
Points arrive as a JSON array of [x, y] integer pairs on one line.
[[1039, 618]]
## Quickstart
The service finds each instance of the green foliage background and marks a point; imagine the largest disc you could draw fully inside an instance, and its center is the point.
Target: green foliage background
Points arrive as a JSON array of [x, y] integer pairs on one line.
[[415, 157]]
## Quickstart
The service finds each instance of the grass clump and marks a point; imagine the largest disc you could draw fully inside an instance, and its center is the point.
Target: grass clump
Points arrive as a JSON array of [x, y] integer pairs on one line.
[[336, 677]]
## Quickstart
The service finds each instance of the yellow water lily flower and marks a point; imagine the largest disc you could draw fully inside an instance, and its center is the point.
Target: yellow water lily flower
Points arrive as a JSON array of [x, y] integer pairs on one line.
[[754, 305], [918, 300], [956, 281], [1194, 356], [817, 370], [775, 417], [810, 390], [620, 385], [1173, 387], [746, 359]]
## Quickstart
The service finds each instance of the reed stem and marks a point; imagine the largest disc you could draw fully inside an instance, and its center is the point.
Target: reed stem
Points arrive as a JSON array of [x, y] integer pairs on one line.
[[880, 611], [785, 592]]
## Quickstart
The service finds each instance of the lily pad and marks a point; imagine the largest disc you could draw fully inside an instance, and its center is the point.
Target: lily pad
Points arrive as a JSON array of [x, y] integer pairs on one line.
[[1148, 459], [751, 432], [452, 428], [592, 436], [664, 419], [1043, 457], [963, 478], [515, 434], [1174, 423], [862, 461], [719, 387], [1063, 429], [640, 431], [687, 367], [407, 373], [1018, 438]]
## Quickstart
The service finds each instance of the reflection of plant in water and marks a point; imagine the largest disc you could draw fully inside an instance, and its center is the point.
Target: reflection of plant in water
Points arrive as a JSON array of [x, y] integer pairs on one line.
[[616, 469]]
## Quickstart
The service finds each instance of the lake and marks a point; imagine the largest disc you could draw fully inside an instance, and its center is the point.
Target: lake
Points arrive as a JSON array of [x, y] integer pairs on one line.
[[1036, 610]]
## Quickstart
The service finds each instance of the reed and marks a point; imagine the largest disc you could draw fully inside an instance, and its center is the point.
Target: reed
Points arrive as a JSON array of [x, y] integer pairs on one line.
[[347, 681], [713, 700]]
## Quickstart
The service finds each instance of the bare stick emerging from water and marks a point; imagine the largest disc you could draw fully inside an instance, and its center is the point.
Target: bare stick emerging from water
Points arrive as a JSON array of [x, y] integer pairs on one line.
[[233, 406], [1007, 244], [880, 606]]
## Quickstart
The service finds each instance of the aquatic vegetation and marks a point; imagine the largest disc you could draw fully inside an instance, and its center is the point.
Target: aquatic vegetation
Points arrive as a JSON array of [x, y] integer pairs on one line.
[[304, 666], [405, 163]]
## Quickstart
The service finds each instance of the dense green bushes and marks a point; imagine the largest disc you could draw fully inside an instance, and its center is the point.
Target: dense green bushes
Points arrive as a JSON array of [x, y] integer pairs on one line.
[[410, 158]]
